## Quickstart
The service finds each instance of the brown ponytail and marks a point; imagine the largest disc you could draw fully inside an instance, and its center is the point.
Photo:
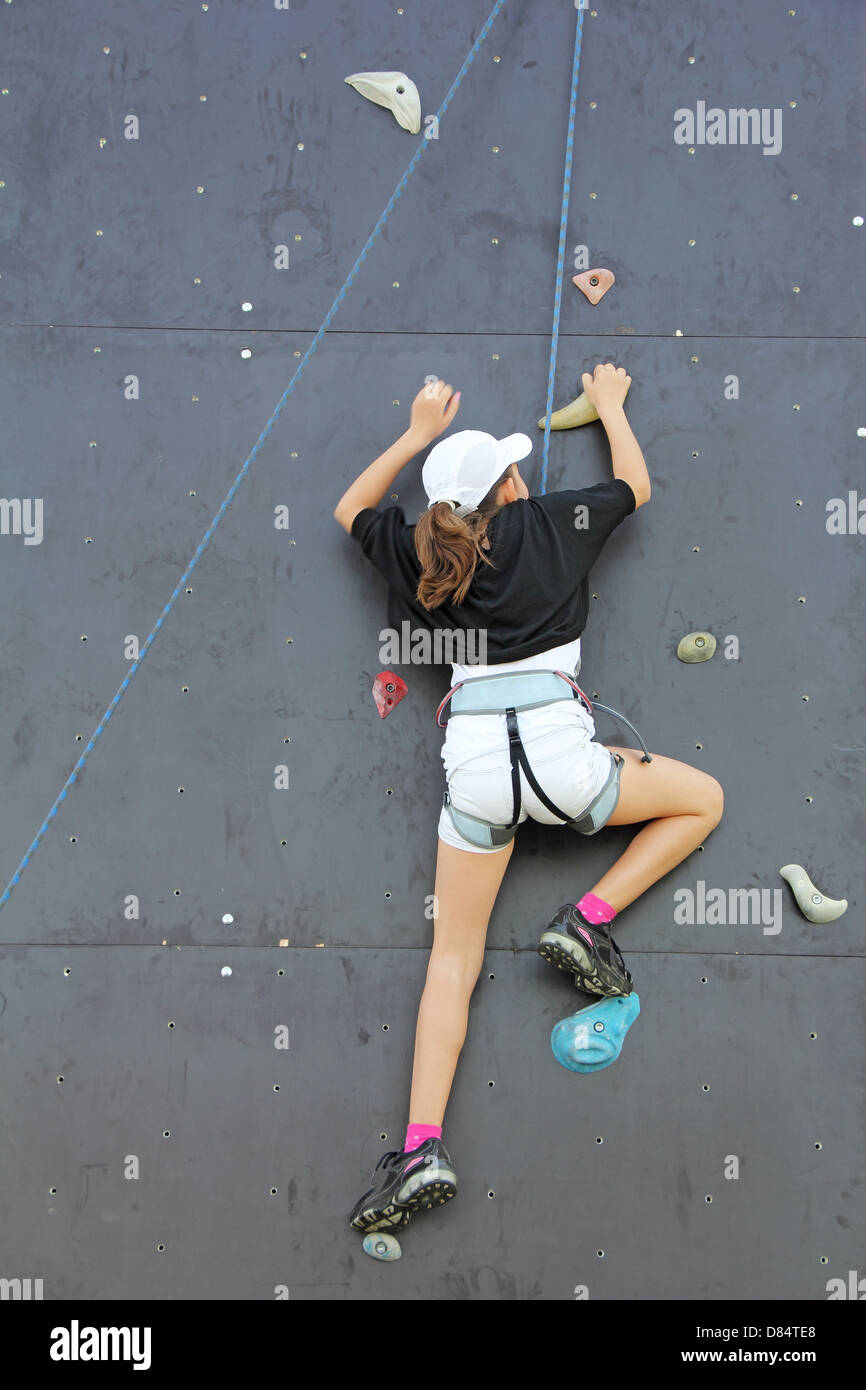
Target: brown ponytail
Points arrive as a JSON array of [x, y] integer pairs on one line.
[[449, 547]]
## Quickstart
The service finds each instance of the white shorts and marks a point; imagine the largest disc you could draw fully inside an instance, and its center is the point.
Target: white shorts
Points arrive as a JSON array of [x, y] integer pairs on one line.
[[568, 764]]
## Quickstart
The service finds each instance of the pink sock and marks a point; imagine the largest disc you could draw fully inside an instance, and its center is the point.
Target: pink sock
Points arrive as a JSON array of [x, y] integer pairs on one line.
[[415, 1136], [595, 910]]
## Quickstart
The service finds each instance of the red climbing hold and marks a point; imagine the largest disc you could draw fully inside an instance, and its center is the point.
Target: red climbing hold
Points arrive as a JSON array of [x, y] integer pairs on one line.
[[594, 283], [388, 691]]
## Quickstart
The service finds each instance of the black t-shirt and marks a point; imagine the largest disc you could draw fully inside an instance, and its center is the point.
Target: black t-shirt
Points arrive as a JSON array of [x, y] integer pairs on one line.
[[537, 597]]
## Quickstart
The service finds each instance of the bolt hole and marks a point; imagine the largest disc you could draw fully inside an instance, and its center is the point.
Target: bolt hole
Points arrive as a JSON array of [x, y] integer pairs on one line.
[[491, 977], [598, 1139], [819, 1145], [813, 1035], [60, 1080], [388, 894], [277, 1087], [166, 1134], [708, 1199], [600, 1254], [385, 1027], [491, 1193], [705, 1087], [273, 1192], [383, 1136], [160, 1248], [66, 970], [171, 1025], [491, 1083], [703, 979]]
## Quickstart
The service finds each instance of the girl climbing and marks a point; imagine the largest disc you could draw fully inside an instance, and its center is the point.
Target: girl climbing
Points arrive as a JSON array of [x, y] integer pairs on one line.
[[519, 742]]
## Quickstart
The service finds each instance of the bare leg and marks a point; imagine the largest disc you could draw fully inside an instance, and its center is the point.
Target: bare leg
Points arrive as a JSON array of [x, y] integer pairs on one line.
[[682, 804], [466, 889]]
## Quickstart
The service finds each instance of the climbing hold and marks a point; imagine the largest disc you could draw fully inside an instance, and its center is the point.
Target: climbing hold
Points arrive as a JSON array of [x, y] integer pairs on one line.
[[696, 646], [594, 283], [382, 1246], [812, 903], [388, 691], [592, 1038], [580, 411], [394, 90]]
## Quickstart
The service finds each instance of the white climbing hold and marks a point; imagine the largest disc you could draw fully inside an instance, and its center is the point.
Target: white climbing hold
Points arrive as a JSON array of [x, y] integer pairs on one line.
[[381, 1246], [394, 90], [812, 902]]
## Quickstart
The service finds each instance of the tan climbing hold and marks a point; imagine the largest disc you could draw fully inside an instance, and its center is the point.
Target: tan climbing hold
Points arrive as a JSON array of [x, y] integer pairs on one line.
[[812, 902], [580, 411], [594, 283], [696, 646]]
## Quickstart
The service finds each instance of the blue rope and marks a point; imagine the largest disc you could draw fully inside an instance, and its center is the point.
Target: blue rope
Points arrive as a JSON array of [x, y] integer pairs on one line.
[[205, 541], [560, 262]]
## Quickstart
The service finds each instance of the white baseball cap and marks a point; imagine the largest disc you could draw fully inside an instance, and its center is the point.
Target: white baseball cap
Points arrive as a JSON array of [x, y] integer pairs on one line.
[[463, 468]]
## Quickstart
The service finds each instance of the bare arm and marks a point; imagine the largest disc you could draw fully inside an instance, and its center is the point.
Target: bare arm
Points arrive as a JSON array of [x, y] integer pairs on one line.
[[606, 390], [433, 410], [369, 489]]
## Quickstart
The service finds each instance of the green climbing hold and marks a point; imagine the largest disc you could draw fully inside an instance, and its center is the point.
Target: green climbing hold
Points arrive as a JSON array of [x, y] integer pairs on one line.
[[696, 646]]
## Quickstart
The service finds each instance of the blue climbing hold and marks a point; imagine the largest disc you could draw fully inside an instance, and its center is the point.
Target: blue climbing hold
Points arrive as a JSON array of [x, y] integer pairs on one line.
[[592, 1038]]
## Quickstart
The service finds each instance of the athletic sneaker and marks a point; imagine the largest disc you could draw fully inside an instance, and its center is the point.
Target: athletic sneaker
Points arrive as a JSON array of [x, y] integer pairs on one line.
[[397, 1193], [588, 951]]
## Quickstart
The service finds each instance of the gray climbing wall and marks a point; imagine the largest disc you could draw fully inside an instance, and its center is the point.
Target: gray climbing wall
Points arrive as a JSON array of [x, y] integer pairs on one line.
[[156, 1144]]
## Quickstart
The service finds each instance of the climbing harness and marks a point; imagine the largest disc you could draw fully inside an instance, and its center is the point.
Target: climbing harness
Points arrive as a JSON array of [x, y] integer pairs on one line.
[[522, 690]]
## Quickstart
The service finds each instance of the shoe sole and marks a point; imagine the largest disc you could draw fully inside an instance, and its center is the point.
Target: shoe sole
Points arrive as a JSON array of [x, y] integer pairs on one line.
[[567, 954], [413, 1195]]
